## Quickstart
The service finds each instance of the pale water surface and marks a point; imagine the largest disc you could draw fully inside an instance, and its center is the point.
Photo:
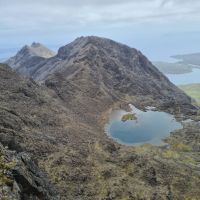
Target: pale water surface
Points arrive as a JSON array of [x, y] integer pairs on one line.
[[188, 78], [151, 127]]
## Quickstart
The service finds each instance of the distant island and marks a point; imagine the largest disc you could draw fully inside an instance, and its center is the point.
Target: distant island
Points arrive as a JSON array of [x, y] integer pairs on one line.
[[185, 64], [193, 59], [173, 68], [129, 116]]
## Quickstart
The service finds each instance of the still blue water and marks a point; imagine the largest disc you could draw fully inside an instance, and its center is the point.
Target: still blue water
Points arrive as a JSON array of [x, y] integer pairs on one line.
[[150, 127], [182, 79]]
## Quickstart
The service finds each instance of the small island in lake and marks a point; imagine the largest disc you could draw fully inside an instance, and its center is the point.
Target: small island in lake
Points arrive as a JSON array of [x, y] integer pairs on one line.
[[129, 116]]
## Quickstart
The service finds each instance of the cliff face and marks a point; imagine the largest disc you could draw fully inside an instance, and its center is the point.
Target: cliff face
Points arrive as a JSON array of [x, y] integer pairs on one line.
[[60, 124]]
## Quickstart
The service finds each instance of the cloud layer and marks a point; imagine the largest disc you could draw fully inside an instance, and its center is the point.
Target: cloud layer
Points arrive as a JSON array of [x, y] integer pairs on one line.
[[38, 14], [153, 26]]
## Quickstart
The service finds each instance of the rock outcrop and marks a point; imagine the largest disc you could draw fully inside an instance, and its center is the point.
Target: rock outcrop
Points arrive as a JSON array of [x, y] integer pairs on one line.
[[21, 178]]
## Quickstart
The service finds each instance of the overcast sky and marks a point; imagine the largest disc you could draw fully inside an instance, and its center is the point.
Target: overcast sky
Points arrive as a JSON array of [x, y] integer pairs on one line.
[[159, 28]]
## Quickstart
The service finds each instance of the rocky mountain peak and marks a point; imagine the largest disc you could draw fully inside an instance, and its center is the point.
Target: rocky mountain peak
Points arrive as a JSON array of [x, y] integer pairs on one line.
[[36, 44], [40, 50], [28, 56], [93, 43], [36, 49]]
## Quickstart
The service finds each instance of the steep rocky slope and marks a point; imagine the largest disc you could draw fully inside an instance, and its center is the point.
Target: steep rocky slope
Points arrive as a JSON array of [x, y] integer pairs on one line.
[[108, 70], [60, 123], [34, 121], [25, 131], [29, 56], [101, 71]]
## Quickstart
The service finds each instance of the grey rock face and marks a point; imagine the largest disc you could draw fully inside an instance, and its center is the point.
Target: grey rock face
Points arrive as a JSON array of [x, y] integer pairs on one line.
[[26, 181], [29, 56]]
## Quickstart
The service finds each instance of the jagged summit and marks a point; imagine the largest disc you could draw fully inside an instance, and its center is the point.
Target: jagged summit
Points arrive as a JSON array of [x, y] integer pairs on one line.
[[36, 44], [28, 56], [95, 40], [33, 56], [41, 51], [36, 49], [90, 41]]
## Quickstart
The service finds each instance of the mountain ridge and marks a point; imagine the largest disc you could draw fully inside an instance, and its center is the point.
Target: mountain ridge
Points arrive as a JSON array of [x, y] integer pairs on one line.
[[60, 122], [95, 64]]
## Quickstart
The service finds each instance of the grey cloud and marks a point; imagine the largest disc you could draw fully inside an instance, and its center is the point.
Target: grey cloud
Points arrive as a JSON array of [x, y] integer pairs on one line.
[[38, 14]]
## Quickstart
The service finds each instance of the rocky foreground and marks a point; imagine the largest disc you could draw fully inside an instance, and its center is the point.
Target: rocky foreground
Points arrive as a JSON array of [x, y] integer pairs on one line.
[[53, 132]]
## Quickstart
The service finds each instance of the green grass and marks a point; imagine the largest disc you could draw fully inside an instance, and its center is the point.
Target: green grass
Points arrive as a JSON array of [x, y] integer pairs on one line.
[[129, 116], [4, 167], [192, 90]]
